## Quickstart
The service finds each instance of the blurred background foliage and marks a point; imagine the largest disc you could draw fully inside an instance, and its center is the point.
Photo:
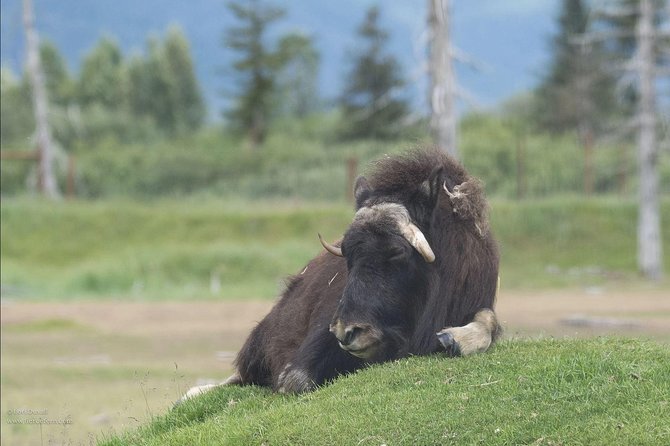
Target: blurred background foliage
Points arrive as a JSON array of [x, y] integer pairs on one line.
[[146, 151], [138, 126]]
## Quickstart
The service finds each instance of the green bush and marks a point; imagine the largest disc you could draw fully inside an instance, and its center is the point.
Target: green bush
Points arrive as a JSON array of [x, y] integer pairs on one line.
[[503, 154], [303, 159]]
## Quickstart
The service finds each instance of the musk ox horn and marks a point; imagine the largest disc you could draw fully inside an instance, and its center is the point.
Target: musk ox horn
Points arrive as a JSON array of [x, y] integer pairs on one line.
[[416, 238], [331, 248]]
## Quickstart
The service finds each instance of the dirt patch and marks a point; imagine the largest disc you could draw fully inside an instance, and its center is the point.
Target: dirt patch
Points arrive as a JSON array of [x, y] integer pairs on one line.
[[528, 311], [630, 312], [143, 318]]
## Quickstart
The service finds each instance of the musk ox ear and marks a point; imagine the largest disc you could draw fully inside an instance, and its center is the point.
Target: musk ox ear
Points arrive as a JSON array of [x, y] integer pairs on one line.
[[362, 191]]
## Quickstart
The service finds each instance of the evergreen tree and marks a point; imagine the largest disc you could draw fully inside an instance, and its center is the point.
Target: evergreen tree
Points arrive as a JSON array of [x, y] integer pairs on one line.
[[59, 84], [298, 77], [17, 123], [138, 80], [256, 68], [187, 100], [163, 86], [578, 92], [370, 103], [100, 80]]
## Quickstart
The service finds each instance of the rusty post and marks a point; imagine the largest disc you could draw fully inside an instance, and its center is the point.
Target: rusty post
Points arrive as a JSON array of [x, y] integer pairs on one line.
[[589, 180], [352, 172], [71, 171]]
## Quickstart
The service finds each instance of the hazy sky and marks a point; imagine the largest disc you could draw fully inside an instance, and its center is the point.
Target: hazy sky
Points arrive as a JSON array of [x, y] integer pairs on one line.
[[509, 38]]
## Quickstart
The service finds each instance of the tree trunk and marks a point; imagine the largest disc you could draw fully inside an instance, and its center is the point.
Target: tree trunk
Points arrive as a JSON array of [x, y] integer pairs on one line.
[[442, 78], [46, 178], [650, 255]]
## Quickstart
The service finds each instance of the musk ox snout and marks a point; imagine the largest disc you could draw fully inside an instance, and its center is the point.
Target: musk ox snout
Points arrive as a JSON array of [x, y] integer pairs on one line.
[[359, 339]]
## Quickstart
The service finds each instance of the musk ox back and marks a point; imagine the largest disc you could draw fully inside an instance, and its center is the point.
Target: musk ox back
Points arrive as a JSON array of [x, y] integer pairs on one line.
[[415, 274]]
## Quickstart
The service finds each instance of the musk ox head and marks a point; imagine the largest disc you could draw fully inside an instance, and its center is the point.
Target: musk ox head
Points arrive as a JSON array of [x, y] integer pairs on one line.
[[419, 256], [388, 258]]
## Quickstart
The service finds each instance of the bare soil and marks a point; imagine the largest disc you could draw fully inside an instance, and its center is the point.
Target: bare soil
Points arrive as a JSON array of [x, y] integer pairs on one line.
[[109, 366], [644, 312]]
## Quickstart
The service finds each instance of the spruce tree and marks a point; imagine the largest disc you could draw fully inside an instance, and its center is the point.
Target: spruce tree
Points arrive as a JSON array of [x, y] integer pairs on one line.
[[100, 80], [255, 68], [370, 103], [187, 102], [162, 85], [578, 92], [138, 80], [298, 76], [59, 84]]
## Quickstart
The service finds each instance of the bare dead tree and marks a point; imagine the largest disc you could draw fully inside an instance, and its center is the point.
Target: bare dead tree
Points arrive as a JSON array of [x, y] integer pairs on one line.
[[650, 255], [47, 180], [442, 78], [642, 67]]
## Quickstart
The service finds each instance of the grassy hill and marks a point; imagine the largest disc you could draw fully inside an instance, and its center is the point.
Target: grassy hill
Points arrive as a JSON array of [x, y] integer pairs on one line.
[[543, 392], [213, 249]]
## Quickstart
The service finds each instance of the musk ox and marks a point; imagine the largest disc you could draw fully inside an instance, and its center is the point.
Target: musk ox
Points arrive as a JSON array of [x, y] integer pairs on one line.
[[416, 273]]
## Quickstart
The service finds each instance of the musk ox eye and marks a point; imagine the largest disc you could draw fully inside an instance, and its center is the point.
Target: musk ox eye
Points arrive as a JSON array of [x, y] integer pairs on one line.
[[398, 254]]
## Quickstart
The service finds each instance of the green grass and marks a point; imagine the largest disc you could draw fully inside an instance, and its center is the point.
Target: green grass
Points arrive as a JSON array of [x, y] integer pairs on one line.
[[211, 248], [161, 250], [570, 241], [545, 392]]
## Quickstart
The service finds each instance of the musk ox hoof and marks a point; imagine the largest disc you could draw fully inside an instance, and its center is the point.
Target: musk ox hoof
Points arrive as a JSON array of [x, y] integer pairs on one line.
[[195, 391], [450, 345], [294, 380], [234, 379]]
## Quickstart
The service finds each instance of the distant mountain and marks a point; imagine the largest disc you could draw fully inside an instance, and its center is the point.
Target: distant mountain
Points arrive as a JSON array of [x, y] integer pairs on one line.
[[508, 38]]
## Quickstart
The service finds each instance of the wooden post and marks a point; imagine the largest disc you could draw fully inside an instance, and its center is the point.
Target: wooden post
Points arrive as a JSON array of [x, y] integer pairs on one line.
[[587, 143], [352, 172], [71, 171]]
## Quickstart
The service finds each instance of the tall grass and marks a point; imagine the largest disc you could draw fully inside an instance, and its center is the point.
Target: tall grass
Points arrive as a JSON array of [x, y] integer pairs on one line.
[[167, 249], [215, 249], [566, 241]]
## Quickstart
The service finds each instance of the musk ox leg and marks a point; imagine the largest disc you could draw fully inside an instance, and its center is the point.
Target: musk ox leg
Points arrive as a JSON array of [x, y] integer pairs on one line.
[[294, 380], [318, 360], [475, 337], [234, 379]]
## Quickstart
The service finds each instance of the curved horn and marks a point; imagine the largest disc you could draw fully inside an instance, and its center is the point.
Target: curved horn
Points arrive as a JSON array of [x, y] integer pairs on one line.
[[416, 238], [331, 248]]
